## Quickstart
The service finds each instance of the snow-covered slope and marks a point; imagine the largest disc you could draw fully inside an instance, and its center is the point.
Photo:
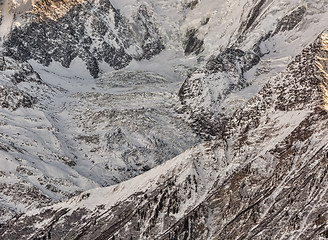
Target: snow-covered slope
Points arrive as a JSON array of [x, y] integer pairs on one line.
[[69, 132], [264, 177], [92, 94], [64, 132], [252, 50]]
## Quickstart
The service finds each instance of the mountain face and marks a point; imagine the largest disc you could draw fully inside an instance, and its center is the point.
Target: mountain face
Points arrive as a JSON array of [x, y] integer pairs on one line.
[[63, 131], [264, 178], [163, 120], [234, 74], [93, 31]]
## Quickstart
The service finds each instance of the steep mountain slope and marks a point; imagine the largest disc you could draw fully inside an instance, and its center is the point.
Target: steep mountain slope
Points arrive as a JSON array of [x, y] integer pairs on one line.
[[93, 31], [71, 122], [264, 177], [63, 140], [259, 46], [64, 132], [34, 166]]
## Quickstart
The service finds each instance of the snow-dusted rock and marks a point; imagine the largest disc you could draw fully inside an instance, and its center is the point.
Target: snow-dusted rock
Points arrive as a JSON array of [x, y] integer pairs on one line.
[[255, 96], [93, 31]]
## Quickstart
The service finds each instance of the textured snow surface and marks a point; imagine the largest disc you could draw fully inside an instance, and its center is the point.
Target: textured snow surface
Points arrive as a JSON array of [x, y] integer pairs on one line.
[[270, 160], [82, 133], [124, 151], [88, 133]]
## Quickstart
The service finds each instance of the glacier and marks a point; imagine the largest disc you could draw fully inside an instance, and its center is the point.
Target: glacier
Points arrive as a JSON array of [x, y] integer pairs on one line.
[[170, 119]]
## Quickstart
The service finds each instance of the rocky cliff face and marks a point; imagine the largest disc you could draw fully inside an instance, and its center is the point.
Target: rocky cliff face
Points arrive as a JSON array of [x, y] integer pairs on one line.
[[212, 91], [239, 152], [201, 94], [93, 31]]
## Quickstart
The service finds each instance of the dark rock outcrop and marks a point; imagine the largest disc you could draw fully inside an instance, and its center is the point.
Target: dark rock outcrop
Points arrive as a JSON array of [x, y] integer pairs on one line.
[[202, 92], [193, 44], [288, 22], [93, 31]]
